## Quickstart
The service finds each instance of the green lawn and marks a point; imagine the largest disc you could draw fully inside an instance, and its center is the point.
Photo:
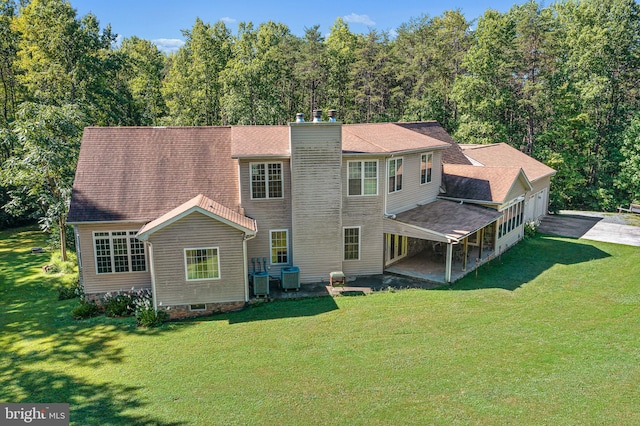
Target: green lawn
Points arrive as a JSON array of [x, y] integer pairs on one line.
[[553, 339]]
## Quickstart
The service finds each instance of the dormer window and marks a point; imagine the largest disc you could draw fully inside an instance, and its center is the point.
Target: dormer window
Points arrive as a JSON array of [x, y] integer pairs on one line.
[[266, 180]]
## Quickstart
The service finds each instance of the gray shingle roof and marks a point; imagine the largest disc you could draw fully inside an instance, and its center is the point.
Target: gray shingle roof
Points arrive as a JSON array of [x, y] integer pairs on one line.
[[501, 154], [491, 184], [452, 155], [205, 205], [140, 173]]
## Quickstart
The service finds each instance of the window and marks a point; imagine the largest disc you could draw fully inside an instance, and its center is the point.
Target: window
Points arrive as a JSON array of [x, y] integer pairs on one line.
[[395, 174], [202, 263], [266, 180], [426, 167], [198, 307], [119, 251], [363, 177], [511, 218], [279, 247], [352, 243]]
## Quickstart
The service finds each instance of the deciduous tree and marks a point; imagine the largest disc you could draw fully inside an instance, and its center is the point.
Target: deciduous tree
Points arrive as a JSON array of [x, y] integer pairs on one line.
[[42, 169]]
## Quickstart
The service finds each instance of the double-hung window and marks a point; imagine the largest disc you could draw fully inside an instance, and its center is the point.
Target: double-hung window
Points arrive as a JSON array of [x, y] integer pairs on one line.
[[426, 167], [395, 174], [266, 180], [119, 251], [363, 177], [352, 243], [279, 247], [202, 263]]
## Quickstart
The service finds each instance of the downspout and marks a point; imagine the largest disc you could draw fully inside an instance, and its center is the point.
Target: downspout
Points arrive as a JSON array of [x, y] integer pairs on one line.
[[246, 238], [386, 184], [153, 277], [76, 233]]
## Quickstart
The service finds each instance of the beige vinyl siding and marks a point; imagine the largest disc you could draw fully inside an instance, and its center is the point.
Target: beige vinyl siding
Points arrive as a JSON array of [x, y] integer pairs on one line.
[[413, 193], [510, 239], [316, 185], [367, 212], [518, 190], [197, 231], [274, 213], [541, 192], [110, 282]]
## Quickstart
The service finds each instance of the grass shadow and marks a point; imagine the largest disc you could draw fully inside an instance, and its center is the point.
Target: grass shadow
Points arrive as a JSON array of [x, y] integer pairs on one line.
[[35, 325], [37, 330], [568, 225], [526, 261], [277, 309], [89, 403]]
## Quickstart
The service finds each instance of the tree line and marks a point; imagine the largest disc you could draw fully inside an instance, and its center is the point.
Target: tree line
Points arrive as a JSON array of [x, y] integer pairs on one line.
[[559, 82]]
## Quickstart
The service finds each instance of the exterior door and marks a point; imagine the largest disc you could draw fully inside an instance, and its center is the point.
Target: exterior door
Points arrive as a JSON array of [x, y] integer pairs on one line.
[[396, 248]]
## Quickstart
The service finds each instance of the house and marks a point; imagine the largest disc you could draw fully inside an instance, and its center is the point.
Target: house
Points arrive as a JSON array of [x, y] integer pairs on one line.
[[187, 211]]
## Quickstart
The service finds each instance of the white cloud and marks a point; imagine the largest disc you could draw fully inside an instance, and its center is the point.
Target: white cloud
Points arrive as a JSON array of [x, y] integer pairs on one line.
[[168, 45], [228, 20], [359, 19]]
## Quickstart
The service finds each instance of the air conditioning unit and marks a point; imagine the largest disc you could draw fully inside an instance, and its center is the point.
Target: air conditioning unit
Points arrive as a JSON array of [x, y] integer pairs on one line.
[[261, 284], [290, 278]]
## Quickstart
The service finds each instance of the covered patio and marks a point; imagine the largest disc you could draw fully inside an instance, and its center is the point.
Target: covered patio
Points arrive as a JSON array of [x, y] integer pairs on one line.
[[447, 239]]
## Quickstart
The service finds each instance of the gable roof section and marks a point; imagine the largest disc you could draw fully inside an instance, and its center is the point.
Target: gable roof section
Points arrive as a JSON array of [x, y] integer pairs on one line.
[[385, 138], [376, 138], [260, 141], [206, 206], [140, 173], [501, 154], [488, 184], [453, 154]]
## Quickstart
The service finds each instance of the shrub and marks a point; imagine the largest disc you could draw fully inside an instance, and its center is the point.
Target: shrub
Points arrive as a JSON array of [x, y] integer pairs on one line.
[[149, 317], [146, 316], [530, 229], [66, 267], [85, 309], [118, 305], [65, 292]]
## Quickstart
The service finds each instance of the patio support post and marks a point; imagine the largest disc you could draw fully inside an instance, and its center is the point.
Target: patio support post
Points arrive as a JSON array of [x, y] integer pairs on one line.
[[464, 254], [480, 243], [447, 267]]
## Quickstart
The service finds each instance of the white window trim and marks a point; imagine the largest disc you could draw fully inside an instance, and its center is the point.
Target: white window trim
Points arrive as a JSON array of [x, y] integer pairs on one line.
[[271, 231], [266, 171], [395, 159], [191, 309], [186, 266], [516, 210], [428, 154], [359, 228], [113, 263], [362, 194]]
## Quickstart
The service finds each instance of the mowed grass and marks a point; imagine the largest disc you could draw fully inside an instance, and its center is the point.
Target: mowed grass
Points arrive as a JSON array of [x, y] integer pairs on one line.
[[547, 334]]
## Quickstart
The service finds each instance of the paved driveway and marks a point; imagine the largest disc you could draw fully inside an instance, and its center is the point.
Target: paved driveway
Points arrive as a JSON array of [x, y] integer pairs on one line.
[[591, 226]]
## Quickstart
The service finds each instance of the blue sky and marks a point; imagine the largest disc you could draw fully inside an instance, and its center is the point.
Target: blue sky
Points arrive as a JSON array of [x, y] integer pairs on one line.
[[162, 21]]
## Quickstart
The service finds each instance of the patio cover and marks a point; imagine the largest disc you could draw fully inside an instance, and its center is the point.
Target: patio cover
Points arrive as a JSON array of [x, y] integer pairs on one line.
[[442, 220]]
